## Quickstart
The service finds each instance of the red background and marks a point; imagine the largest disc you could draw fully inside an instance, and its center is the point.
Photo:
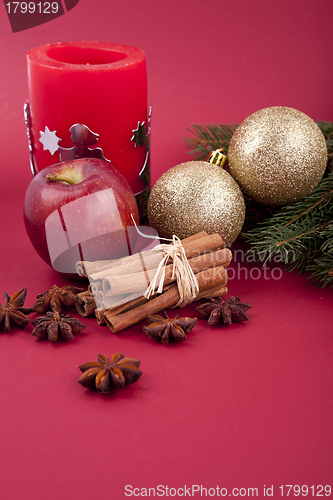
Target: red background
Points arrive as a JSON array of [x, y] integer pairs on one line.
[[248, 405]]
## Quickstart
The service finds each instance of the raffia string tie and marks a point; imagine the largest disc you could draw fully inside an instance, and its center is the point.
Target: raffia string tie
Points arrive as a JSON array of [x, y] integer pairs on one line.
[[186, 280]]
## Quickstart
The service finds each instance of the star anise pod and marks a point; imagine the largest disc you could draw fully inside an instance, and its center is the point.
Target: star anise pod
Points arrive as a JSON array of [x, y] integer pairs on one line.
[[55, 298], [218, 310], [106, 374], [54, 324], [166, 329], [13, 311]]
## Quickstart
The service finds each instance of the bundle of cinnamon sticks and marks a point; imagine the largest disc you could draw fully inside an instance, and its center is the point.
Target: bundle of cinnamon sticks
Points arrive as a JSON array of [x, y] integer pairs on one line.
[[117, 288]]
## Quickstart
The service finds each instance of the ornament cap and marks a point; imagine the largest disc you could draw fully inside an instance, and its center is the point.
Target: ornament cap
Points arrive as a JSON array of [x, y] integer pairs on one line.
[[217, 157]]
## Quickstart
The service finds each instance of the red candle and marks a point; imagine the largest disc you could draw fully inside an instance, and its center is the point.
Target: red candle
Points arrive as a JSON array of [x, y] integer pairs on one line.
[[97, 84]]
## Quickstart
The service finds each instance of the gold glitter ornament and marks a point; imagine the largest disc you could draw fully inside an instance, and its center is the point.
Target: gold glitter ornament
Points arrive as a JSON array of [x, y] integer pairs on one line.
[[197, 196], [277, 155]]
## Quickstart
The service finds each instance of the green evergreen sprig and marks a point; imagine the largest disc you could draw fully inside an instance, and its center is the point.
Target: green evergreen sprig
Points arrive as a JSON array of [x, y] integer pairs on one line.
[[322, 270], [300, 233], [208, 137]]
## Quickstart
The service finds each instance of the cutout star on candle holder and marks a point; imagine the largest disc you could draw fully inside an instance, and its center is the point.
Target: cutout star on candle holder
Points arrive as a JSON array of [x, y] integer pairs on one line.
[[49, 140], [140, 137]]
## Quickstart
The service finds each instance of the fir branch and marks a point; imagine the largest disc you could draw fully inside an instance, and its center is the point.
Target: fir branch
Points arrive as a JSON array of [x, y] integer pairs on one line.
[[288, 242], [322, 270], [316, 206], [318, 203], [209, 137], [303, 260], [301, 233], [327, 234]]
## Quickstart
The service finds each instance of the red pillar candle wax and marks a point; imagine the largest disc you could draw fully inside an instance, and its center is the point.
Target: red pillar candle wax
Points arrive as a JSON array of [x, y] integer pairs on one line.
[[100, 85]]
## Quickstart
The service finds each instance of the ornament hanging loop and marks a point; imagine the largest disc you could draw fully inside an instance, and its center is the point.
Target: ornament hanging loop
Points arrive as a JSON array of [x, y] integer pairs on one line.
[[217, 157]]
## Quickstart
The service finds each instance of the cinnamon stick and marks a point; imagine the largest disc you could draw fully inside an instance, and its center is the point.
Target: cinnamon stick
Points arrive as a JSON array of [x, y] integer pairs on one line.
[[212, 292], [193, 246], [110, 302], [126, 306], [114, 311], [207, 279], [139, 281], [95, 286], [85, 303], [88, 268], [100, 313]]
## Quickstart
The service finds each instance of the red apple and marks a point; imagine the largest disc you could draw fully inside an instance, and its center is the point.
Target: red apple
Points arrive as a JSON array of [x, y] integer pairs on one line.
[[79, 210]]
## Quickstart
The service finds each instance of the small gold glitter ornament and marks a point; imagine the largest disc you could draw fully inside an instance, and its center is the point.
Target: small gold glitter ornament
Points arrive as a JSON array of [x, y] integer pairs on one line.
[[197, 196], [277, 155]]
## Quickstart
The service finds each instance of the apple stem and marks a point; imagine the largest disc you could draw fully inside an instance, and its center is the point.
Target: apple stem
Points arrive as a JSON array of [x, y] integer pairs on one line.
[[61, 178]]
